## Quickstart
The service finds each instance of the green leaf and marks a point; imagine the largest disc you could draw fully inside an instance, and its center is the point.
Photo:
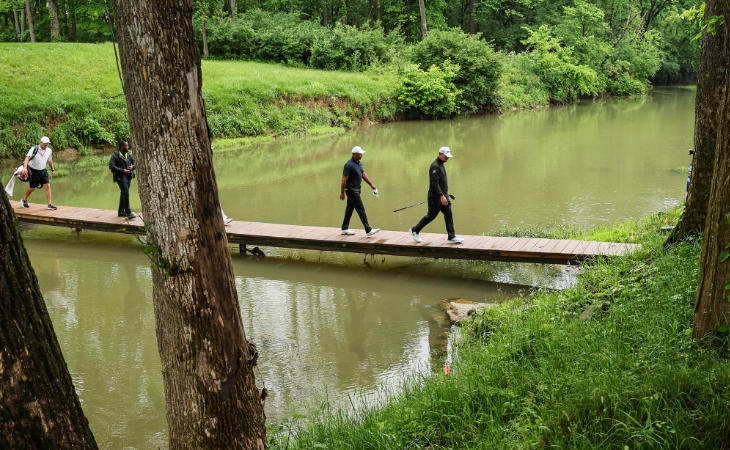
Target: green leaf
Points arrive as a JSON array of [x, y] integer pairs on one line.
[[724, 255], [727, 217], [723, 329]]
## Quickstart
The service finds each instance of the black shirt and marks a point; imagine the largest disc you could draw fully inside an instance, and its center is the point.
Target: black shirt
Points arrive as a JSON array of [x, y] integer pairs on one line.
[[118, 163], [438, 183], [353, 171]]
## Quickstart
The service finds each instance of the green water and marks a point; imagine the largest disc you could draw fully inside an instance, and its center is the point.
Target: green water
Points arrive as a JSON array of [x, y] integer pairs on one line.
[[342, 328]]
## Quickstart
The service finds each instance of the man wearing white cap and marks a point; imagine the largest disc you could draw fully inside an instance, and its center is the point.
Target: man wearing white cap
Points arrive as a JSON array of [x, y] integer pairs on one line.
[[37, 158], [438, 198], [352, 177]]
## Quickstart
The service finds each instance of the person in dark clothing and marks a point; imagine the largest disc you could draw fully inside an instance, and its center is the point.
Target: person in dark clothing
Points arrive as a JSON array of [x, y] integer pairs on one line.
[[352, 176], [122, 166], [438, 198]]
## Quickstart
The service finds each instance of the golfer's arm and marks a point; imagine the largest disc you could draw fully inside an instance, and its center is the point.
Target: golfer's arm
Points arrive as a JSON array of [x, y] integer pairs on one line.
[[25, 163], [50, 163], [342, 185], [367, 180], [435, 178]]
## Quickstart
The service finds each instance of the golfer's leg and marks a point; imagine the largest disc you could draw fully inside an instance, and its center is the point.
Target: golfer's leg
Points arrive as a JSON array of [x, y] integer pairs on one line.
[[120, 208], [125, 198], [27, 193], [47, 187], [433, 210], [348, 213], [449, 218], [360, 208]]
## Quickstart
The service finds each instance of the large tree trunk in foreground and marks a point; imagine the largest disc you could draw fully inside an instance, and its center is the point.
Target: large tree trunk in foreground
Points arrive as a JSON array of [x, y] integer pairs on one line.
[[424, 27], [55, 26], [712, 308], [207, 364], [713, 68], [29, 16], [38, 404]]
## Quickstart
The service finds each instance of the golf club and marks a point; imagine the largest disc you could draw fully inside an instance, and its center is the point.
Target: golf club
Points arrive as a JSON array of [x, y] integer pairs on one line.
[[420, 203]]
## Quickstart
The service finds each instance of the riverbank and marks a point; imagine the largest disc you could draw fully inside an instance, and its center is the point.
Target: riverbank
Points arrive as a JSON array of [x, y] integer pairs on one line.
[[76, 99], [608, 363]]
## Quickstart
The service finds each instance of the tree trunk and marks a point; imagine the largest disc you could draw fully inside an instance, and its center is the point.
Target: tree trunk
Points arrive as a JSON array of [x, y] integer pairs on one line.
[[233, 9], [325, 17], [55, 26], [204, 32], [73, 19], [472, 26], [422, 9], [207, 364], [712, 308], [29, 16], [38, 404], [17, 26], [378, 14], [712, 71], [64, 14], [22, 21]]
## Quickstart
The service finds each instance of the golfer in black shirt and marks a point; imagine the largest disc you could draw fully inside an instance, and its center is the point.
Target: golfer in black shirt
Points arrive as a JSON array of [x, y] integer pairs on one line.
[[352, 177], [438, 198]]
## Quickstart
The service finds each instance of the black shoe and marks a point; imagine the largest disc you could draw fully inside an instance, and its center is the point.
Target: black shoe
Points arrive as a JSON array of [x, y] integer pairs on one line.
[[25, 203], [52, 207], [131, 215], [121, 214]]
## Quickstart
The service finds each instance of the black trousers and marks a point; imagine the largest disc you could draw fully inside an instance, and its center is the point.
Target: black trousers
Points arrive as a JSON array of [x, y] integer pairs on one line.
[[123, 197], [354, 202], [434, 207]]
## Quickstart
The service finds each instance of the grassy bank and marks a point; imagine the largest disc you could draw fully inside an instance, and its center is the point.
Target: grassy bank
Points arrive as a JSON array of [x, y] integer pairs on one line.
[[72, 93], [606, 364]]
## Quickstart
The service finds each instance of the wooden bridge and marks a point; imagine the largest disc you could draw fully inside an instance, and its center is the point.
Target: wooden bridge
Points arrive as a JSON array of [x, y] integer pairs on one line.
[[400, 243]]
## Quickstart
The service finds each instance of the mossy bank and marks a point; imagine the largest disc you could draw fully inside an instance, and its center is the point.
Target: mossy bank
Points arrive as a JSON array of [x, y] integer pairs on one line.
[[608, 363]]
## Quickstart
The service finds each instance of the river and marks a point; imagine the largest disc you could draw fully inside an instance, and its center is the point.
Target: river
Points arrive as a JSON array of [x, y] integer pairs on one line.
[[345, 327]]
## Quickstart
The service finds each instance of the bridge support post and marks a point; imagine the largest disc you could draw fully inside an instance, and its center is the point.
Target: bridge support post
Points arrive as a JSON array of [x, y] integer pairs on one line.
[[242, 249]]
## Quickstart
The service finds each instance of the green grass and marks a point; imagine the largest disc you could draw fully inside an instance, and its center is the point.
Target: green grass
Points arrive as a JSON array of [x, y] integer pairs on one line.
[[607, 364], [71, 93]]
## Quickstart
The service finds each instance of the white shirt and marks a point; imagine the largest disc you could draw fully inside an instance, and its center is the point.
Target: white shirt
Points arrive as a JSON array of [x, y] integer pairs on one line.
[[41, 158]]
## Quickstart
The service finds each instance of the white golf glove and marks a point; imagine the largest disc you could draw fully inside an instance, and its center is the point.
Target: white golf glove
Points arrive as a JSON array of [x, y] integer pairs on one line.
[[376, 193]]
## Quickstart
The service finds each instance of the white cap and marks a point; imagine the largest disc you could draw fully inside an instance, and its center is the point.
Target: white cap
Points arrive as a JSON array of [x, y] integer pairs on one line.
[[45, 140], [358, 149], [446, 151]]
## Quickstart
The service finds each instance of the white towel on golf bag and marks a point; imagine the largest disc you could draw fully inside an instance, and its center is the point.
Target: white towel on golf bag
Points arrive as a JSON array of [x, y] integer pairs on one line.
[[10, 187]]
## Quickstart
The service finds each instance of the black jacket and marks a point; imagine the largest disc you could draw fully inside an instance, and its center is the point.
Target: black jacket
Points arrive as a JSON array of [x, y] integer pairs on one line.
[[117, 165], [438, 183]]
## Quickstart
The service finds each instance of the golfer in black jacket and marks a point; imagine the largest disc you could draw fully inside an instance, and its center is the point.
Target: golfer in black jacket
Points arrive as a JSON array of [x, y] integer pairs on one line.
[[438, 198], [122, 166]]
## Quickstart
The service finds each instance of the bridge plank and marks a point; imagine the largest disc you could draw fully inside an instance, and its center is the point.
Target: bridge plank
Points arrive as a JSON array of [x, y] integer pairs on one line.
[[434, 245]]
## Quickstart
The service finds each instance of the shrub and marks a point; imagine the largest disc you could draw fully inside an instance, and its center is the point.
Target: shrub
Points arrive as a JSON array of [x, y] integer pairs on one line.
[[479, 65], [349, 48], [566, 80], [430, 93]]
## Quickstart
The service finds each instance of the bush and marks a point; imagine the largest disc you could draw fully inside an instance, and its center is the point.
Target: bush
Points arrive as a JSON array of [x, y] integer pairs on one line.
[[479, 65], [566, 80], [285, 38], [430, 93]]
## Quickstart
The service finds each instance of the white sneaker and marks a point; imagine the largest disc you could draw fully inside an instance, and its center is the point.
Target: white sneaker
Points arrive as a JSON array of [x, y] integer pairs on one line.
[[455, 240], [415, 235], [227, 221], [373, 231], [347, 232]]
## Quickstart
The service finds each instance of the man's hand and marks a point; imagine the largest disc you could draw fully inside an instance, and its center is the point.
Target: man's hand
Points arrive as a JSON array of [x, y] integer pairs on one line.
[[444, 201], [53, 171], [127, 171], [375, 188], [342, 195]]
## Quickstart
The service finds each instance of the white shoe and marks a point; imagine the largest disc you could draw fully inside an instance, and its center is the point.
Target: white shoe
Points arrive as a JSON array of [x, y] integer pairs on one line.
[[347, 232], [415, 235], [373, 231], [455, 240], [227, 221]]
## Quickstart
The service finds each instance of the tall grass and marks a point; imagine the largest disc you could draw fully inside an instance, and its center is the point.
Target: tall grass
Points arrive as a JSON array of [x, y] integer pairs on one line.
[[606, 364], [71, 92]]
